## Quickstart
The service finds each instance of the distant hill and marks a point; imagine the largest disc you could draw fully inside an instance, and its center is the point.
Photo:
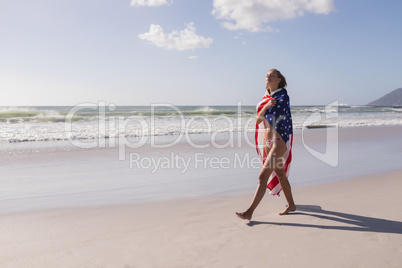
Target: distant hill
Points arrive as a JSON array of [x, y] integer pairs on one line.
[[391, 99]]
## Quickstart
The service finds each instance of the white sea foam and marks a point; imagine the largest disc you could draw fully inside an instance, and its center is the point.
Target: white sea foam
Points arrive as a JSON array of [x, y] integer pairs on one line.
[[24, 124]]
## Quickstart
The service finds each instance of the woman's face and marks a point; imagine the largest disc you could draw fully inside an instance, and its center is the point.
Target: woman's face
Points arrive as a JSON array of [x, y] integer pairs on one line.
[[272, 79]]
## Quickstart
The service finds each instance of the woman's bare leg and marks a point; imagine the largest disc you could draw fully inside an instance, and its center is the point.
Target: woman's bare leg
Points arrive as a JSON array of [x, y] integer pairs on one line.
[[283, 180], [259, 194], [287, 190], [274, 161], [263, 177]]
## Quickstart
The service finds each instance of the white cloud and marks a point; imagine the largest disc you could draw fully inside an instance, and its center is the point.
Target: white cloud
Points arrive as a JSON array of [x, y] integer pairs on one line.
[[252, 15], [149, 3], [193, 57], [178, 40]]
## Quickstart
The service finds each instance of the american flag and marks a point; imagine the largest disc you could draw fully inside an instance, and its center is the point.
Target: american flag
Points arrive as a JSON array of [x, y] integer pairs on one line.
[[280, 118]]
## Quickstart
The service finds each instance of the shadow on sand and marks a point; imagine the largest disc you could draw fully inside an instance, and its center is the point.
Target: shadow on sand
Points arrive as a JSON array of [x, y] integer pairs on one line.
[[354, 222]]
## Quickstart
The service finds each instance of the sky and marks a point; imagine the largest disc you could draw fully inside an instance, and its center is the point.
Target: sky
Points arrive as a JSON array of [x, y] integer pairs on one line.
[[197, 52]]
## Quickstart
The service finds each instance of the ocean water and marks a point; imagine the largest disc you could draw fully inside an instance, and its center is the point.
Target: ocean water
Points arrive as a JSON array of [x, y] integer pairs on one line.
[[101, 121]]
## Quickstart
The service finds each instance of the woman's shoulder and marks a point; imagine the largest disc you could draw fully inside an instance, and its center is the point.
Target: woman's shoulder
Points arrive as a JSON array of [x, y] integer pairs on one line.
[[282, 93], [283, 98]]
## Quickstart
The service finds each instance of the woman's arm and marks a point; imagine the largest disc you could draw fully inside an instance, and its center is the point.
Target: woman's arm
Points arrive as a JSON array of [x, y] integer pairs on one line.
[[260, 117]]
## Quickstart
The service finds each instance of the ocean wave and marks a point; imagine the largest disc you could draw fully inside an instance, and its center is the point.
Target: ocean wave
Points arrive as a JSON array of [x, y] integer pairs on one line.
[[18, 115], [49, 123], [42, 134]]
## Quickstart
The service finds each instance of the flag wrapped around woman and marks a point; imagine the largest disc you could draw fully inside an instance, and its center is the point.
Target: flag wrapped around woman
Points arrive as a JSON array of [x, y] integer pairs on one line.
[[275, 150], [279, 117]]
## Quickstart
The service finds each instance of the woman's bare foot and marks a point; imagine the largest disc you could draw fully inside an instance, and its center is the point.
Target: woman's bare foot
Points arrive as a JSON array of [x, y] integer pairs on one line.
[[288, 209], [244, 215]]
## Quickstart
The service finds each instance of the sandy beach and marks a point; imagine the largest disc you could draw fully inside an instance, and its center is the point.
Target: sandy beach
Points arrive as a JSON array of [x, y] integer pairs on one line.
[[353, 223], [350, 218]]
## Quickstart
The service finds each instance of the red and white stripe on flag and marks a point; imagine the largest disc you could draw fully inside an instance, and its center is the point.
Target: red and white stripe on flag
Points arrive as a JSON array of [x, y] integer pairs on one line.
[[273, 181]]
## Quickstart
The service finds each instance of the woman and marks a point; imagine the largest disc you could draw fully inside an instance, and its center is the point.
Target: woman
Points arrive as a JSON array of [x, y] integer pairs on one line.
[[274, 112]]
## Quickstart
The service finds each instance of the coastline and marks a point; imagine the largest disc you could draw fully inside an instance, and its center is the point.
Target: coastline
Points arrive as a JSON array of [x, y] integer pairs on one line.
[[61, 177]]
